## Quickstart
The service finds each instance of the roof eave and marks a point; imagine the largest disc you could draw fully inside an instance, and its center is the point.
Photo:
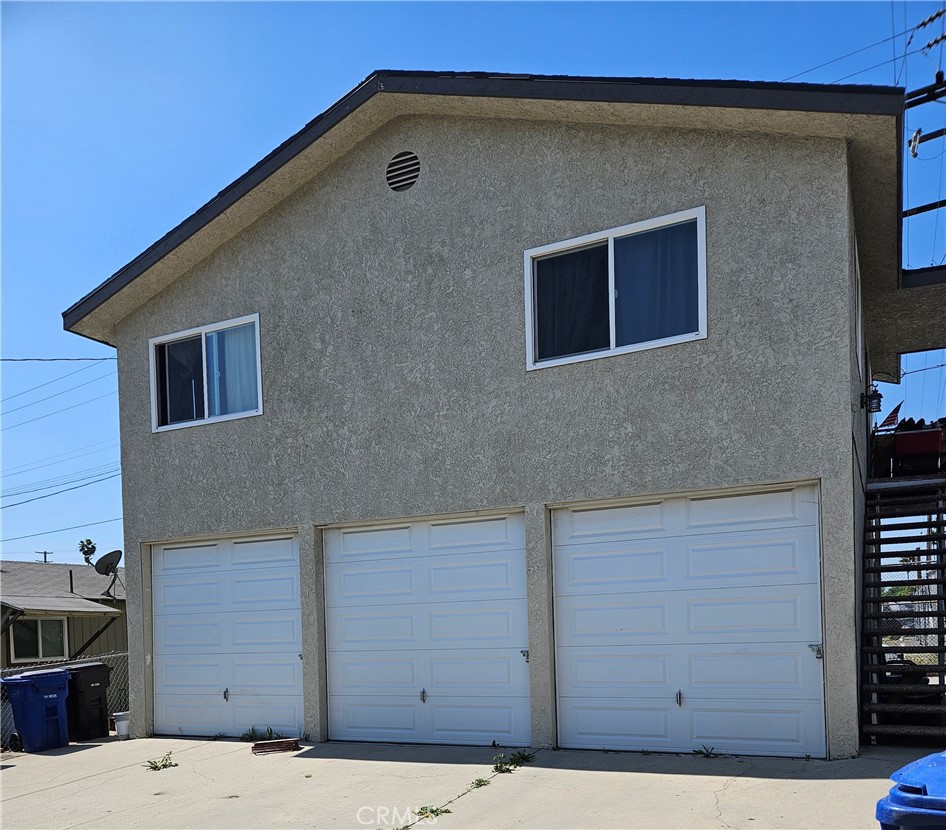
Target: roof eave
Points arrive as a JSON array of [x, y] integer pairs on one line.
[[844, 100]]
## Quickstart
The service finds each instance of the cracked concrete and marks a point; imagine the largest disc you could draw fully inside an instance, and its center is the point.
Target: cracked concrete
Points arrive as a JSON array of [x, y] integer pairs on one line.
[[220, 784]]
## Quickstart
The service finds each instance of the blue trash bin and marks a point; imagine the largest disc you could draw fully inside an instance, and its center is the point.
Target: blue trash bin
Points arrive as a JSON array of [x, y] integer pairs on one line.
[[38, 699], [918, 798]]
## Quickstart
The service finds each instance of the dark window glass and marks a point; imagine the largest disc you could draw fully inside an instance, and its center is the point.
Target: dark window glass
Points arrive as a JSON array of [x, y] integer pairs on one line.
[[656, 283], [571, 303], [26, 638], [180, 381]]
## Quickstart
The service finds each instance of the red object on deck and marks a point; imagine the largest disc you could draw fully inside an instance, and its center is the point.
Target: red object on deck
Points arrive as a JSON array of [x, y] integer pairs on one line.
[[920, 442]]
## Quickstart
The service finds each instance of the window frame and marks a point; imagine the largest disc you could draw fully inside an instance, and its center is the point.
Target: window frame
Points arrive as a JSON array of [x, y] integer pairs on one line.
[[532, 255], [203, 331], [39, 640]]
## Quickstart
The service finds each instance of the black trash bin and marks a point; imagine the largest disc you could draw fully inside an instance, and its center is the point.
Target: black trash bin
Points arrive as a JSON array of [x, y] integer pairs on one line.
[[87, 704]]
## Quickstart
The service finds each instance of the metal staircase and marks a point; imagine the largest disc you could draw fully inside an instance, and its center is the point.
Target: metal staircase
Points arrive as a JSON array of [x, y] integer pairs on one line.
[[903, 694]]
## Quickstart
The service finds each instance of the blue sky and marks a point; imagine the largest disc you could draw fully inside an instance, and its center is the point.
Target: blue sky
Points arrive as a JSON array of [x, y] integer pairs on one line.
[[121, 119]]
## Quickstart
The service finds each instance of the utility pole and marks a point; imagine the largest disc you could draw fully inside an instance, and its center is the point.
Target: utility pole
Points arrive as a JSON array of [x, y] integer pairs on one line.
[[45, 554]]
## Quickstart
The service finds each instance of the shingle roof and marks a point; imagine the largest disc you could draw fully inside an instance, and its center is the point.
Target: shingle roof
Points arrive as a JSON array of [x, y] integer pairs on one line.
[[38, 579]]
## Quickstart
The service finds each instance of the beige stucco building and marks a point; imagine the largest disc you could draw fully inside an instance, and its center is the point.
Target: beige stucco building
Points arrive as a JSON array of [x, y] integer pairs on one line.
[[528, 410]]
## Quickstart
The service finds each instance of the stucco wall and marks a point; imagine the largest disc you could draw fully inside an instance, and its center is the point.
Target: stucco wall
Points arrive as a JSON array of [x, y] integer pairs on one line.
[[393, 356]]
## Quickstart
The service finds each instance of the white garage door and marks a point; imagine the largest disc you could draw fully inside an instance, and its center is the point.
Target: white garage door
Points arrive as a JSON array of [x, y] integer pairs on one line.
[[426, 625], [227, 638], [687, 622]]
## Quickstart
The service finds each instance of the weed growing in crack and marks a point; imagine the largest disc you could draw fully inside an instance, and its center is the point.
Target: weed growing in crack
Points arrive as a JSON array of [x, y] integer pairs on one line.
[[521, 758], [163, 762], [479, 782], [252, 735], [500, 764], [427, 811], [705, 752]]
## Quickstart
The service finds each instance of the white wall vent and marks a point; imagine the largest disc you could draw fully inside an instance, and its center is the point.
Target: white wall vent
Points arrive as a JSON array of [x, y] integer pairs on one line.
[[403, 170]]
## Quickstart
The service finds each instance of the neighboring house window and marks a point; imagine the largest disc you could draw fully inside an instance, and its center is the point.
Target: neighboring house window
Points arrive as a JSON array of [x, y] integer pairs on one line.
[[211, 373], [635, 287], [39, 639]]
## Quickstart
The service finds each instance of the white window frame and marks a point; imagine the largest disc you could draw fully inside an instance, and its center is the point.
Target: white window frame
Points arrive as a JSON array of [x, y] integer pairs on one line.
[[533, 254], [39, 640], [203, 331]]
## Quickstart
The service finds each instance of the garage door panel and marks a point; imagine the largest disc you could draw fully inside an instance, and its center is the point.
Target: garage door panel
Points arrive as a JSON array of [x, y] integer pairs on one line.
[[773, 671], [186, 559], [210, 634], [741, 671], [450, 578], [281, 713], [268, 553], [611, 568], [191, 674], [584, 525], [791, 728], [613, 619], [376, 673], [265, 674], [191, 715], [605, 673], [476, 721], [438, 538], [751, 558], [770, 613], [480, 673], [792, 506], [617, 723], [380, 718], [225, 592], [434, 626]]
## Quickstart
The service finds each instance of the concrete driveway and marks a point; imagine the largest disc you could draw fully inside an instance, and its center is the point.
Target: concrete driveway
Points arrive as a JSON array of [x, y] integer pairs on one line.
[[221, 784]]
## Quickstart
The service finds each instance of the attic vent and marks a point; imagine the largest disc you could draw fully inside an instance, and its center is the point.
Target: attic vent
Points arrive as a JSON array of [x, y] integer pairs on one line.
[[403, 170]]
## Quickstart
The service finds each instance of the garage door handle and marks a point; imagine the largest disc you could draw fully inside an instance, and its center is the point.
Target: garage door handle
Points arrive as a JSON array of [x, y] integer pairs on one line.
[[423, 695], [226, 694], [679, 697]]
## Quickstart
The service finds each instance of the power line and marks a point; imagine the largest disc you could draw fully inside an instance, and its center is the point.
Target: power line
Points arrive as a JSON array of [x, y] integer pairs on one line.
[[850, 54], [60, 530], [64, 409], [54, 395], [66, 490], [875, 66], [60, 481], [52, 459], [51, 359], [48, 382]]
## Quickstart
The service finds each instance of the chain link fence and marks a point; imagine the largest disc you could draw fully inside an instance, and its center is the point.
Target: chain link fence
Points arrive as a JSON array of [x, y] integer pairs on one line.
[[116, 696]]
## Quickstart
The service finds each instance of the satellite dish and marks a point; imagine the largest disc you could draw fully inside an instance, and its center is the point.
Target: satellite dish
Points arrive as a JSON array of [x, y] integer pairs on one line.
[[108, 565]]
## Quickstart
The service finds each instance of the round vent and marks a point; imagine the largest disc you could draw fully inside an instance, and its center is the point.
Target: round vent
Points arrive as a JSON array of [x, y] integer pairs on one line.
[[403, 170]]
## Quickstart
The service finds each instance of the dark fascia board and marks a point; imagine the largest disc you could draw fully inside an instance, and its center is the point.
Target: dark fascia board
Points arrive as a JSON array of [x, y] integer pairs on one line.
[[919, 277], [849, 99]]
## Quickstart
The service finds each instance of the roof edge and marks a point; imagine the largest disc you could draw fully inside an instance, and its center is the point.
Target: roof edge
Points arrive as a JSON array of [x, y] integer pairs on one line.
[[846, 99]]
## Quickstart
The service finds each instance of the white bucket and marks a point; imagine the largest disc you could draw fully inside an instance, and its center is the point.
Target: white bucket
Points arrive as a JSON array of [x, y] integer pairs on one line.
[[121, 724]]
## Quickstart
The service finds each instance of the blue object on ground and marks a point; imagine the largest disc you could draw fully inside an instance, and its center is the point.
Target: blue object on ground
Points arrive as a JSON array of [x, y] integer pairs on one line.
[[918, 798], [38, 699]]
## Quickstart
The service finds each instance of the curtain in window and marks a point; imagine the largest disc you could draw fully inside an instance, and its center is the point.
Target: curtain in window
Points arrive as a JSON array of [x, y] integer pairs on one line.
[[231, 370], [656, 282], [571, 303]]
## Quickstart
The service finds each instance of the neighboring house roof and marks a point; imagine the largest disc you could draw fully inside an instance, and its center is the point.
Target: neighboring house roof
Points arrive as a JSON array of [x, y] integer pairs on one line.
[[869, 118], [38, 587]]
